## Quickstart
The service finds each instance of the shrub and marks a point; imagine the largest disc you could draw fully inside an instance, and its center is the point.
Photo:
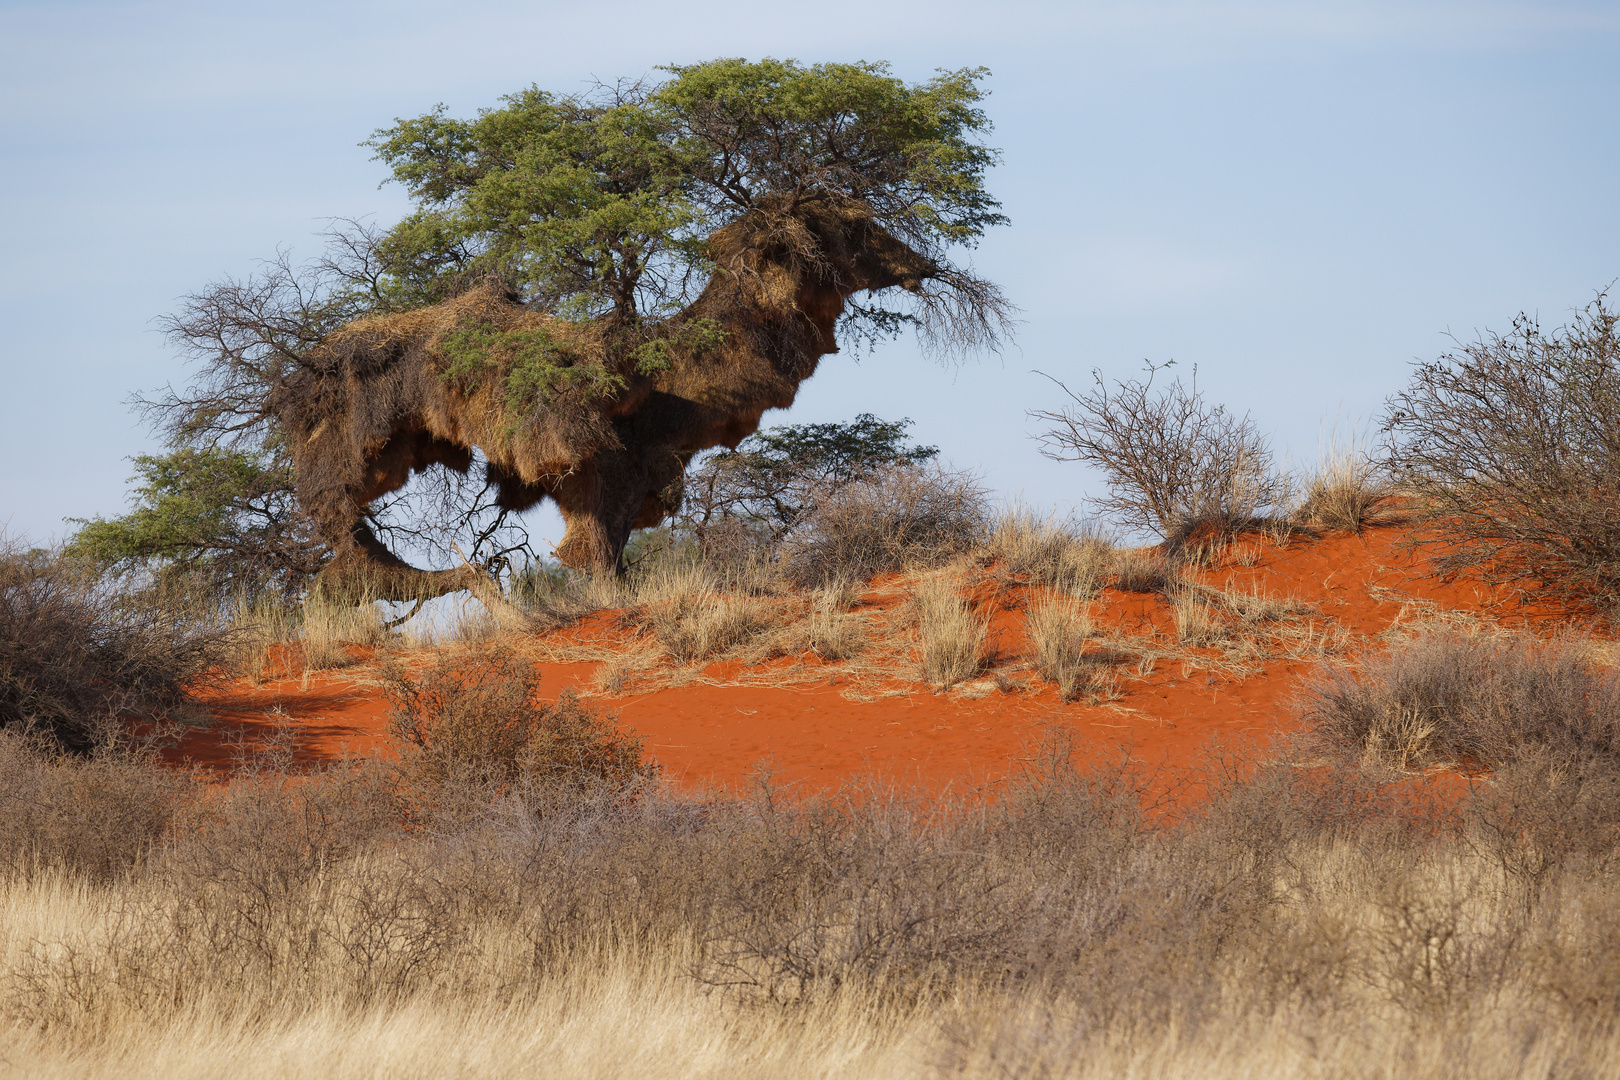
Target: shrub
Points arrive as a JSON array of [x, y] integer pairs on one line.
[[474, 717], [93, 816], [77, 653], [899, 518], [1173, 463], [1444, 697], [760, 490], [1512, 443]]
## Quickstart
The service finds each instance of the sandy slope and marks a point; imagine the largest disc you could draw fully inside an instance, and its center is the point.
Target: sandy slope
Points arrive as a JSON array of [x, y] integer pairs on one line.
[[814, 725]]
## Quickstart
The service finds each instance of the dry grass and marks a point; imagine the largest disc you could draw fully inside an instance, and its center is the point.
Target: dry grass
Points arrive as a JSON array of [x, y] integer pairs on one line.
[[1197, 624], [1142, 570], [828, 629], [328, 627], [1049, 551], [695, 620], [950, 636], [1301, 922], [1058, 628], [1344, 490]]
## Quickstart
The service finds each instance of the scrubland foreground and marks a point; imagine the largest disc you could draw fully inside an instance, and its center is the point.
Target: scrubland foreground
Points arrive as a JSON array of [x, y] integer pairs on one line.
[[533, 902], [1411, 873]]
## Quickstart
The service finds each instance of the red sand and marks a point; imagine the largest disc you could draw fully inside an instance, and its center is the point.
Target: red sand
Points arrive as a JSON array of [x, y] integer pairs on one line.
[[815, 737]]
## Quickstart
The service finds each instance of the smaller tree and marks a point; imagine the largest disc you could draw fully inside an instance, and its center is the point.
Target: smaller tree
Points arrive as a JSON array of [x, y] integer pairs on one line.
[[767, 484], [1173, 462], [1512, 445], [221, 518]]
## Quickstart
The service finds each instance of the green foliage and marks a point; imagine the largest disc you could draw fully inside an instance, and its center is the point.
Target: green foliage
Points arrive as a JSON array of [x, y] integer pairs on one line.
[[225, 518], [775, 475], [602, 204], [531, 363]]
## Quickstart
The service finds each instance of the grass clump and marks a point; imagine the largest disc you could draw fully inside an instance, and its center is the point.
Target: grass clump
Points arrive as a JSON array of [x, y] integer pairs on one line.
[[1049, 551], [950, 636], [1059, 627], [1344, 491]]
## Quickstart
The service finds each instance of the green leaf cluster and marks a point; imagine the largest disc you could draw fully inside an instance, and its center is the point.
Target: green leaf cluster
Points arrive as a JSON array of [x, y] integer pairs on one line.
[[223, 518], [600, 206]]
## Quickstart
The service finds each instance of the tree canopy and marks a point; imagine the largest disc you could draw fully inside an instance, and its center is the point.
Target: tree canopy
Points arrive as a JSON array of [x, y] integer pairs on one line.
[[597, 208], [603, 203]]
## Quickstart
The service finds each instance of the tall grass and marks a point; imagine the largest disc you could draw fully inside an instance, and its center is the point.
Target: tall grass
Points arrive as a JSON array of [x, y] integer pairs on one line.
[[1300, 922], [950, 635]]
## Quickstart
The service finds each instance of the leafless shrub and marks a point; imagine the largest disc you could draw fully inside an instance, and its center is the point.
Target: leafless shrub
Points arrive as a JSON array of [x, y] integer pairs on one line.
[[1445, 698], [1512, 442], [78, 651], [901, 517], [474, 717], [950, 636], [93, 816], [1173, 463]]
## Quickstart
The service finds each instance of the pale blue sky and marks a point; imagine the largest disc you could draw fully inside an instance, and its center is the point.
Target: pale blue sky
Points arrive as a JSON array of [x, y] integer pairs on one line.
[[1299, 198]]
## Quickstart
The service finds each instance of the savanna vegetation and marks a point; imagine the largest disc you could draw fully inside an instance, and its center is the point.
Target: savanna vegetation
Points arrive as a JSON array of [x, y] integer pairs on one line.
[[1419, 881]]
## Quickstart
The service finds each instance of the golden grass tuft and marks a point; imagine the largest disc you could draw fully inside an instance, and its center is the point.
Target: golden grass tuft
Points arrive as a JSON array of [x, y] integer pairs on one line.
[[1049, 551], [1343, 491], [1196, 623], [1141, 570], [1059, 627], [950, 636]]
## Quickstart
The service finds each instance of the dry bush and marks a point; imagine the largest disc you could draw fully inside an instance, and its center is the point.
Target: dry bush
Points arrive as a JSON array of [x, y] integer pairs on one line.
[[1173, 463], [1063, 926], [474, 717], [1051, 552], [950, 636], [93, 816], [1059, 627], [905, 517], [1446, 697], [78, 651], [1512, 444]]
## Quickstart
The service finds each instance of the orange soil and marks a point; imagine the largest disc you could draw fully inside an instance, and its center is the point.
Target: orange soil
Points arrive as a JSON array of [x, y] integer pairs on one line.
[[815, 737]]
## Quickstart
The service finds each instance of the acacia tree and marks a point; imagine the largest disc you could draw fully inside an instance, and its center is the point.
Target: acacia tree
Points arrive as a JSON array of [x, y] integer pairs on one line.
[[599, 209], [774, 476]]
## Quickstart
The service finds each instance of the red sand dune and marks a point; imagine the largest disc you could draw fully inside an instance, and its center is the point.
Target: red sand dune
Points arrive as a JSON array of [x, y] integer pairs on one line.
[[815, 736]]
